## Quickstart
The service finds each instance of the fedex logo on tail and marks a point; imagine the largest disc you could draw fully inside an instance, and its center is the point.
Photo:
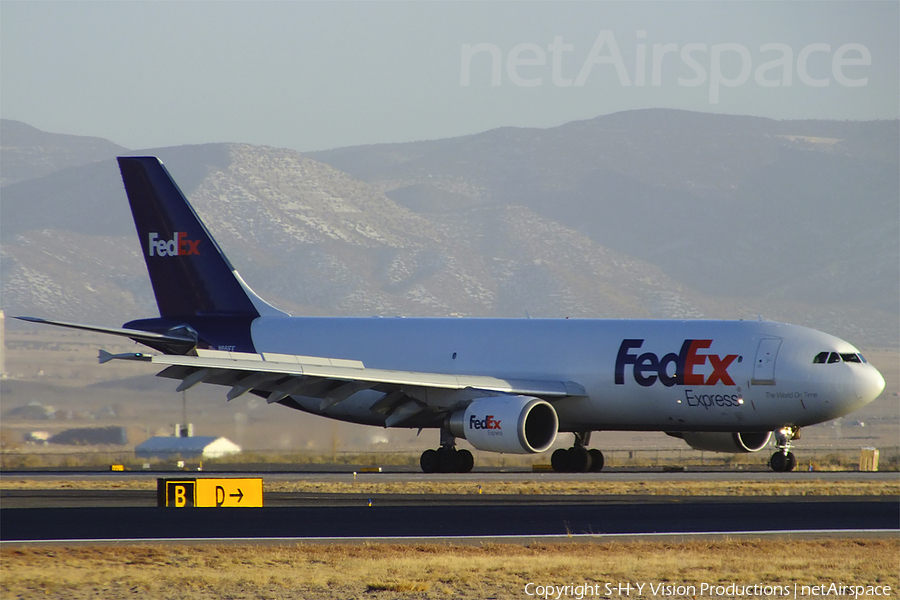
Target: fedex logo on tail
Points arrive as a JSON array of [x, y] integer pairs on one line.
[[180, 245], [673, 369]]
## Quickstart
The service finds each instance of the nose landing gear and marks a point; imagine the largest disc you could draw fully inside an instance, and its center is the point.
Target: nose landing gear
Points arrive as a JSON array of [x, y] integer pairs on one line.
[[784, 460], [578, 458]]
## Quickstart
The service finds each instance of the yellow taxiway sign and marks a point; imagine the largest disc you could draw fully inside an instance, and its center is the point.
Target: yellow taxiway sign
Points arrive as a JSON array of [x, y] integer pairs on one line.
[[210, 493]]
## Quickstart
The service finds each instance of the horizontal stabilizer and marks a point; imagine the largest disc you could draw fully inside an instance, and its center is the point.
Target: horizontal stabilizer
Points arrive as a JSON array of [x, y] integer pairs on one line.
[[135, 334]]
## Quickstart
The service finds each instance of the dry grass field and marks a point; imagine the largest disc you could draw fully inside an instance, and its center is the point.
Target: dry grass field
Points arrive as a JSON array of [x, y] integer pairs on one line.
[[388, 571]]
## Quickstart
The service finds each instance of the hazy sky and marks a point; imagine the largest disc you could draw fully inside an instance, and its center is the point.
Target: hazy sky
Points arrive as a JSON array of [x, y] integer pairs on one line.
[[317, 75]]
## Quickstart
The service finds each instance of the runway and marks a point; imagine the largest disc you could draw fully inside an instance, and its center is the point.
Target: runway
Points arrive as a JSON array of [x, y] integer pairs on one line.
[[447, 520], [43, 512], [133, 515]]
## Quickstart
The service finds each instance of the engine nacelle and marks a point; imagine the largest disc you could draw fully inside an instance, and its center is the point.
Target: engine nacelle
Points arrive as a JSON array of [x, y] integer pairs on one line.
[[513, 424], [727, 442]]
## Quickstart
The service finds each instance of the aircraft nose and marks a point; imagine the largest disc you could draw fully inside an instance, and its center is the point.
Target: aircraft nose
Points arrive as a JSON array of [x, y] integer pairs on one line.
[[868, 383]]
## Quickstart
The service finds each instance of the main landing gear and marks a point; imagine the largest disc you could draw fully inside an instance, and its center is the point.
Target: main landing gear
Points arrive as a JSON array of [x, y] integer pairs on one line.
[[447, 459], [784, 460], [578, 458]]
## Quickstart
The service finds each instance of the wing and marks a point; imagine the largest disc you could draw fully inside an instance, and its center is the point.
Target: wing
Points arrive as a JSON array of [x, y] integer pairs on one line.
[[405, 394]]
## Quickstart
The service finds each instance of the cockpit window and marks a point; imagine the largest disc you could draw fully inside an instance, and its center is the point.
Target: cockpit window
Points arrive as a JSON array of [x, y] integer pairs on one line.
[[834, 357]]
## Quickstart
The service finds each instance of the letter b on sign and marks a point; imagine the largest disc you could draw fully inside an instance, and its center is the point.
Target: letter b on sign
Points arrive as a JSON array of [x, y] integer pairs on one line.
[[180, 494]]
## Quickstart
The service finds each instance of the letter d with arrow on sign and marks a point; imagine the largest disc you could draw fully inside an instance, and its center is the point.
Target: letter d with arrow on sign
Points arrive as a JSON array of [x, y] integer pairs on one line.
[[230, 493]]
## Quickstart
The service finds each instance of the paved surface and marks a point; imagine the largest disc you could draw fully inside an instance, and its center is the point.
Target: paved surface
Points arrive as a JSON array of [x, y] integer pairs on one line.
[[111, 514], [444, 517]]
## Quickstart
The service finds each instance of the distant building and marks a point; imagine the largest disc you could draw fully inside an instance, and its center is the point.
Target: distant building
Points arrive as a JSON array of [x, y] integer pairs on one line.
[[196, 447], [33, 411], [37, 437], [92, 436]]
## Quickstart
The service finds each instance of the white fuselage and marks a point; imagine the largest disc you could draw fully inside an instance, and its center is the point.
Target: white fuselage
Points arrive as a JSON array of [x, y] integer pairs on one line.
[[662, 375]]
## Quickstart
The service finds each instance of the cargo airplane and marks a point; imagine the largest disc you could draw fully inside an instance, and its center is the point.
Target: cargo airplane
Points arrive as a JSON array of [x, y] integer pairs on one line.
[[503, 385]]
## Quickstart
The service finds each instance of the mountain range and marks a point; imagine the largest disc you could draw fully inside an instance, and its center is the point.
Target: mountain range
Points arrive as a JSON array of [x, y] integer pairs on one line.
[[650, 213]]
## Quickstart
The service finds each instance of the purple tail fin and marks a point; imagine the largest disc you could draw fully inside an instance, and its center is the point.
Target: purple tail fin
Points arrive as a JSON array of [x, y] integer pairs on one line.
[[191, 277]]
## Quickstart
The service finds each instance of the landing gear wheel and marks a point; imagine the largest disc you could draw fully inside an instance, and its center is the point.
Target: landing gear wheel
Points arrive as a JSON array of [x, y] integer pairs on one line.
[[779, 462], [447, 460], [791, 462], [465, 461], [430, 461], [784, 460], [596, 460], [559, 460], [579, 460]]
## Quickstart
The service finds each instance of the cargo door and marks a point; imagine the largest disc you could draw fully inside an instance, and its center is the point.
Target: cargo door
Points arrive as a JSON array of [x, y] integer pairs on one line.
[[764, 367]]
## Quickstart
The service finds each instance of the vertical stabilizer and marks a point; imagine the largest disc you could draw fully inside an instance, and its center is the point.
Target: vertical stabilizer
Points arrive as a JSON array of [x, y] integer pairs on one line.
[[189, 273]]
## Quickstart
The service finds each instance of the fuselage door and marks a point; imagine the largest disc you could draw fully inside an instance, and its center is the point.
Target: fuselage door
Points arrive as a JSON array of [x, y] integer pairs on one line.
[[764, 367]]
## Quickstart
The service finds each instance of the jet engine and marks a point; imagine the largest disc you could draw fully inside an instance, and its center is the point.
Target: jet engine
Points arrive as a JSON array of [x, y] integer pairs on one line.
[[513, 424], [726, 442]]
